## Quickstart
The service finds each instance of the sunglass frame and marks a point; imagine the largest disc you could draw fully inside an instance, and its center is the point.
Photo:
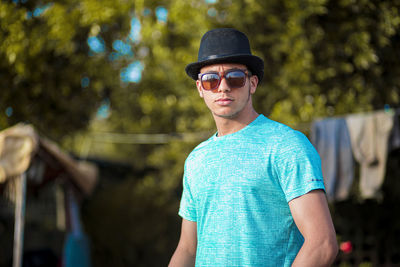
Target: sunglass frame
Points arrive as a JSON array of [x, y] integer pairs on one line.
[[247, 73]]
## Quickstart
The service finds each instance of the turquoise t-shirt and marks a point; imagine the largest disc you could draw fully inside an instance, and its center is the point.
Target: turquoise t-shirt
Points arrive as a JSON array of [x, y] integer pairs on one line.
[[237, 188]]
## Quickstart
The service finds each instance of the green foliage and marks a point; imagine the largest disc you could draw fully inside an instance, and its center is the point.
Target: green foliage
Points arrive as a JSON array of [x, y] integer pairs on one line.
[[322, 57], [44, 56]]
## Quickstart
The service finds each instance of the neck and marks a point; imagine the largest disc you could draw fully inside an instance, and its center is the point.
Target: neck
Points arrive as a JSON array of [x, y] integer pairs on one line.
[[231, 125]]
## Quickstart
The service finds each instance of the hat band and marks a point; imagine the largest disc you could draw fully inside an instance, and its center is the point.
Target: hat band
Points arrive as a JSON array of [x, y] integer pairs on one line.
[[222, 56]]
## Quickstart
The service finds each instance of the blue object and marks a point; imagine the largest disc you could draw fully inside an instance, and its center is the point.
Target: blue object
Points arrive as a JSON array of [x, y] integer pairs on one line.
[[77, 251]]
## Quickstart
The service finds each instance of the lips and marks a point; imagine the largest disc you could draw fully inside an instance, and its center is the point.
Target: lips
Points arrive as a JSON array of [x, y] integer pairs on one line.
[[224, 101]]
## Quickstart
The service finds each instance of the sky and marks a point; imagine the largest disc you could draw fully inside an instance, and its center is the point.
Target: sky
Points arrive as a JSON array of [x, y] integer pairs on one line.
[[133, 72], [121, 48]]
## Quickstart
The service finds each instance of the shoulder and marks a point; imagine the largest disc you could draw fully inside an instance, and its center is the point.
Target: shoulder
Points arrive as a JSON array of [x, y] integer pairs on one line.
[[199, 151], [278, 133], [284, 143]]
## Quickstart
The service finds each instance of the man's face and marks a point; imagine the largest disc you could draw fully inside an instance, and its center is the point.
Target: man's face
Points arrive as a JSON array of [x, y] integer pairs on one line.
[[226, 102]]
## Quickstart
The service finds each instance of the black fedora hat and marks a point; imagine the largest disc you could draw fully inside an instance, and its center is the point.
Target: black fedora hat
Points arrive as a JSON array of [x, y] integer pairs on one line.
[[225, 45]]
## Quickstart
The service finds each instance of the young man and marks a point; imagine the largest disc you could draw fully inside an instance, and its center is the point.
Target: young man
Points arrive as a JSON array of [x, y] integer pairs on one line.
[[253, 193]]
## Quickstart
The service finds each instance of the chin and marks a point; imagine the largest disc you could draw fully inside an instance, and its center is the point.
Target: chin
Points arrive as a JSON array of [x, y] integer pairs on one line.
[[226, 115]]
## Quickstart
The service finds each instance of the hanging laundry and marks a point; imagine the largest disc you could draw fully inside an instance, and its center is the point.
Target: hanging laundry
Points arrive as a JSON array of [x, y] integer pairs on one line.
[[331, 139], [369, 135], [394, 141]]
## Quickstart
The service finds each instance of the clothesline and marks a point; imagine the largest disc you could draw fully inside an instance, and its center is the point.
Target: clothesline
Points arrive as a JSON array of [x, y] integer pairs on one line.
[[164, 138], [387, 108], [146, 139]]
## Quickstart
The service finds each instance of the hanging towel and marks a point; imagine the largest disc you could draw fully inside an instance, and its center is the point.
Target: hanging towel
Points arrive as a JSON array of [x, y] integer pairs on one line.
[[369, 135], [332, 140]]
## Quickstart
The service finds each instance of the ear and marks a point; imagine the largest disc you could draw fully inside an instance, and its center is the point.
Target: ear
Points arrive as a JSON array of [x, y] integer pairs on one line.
[[253, 83], [199, 89]]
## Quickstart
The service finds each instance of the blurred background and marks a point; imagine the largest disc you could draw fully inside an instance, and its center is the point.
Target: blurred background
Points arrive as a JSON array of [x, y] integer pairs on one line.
[[111, 117]]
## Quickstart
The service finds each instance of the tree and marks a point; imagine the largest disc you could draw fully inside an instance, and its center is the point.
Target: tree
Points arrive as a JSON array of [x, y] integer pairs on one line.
[[49, 75], [322, 57]]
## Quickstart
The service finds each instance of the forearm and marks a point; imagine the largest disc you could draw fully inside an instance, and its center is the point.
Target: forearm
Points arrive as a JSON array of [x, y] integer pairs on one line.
[[316, 254], [182, 258]]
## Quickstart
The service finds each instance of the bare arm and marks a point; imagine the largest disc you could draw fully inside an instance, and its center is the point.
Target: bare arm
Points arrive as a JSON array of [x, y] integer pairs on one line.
[[185, 253], [311, 215]]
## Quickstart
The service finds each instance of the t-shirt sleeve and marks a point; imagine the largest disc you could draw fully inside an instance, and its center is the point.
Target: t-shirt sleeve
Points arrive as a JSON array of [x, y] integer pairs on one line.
[[298, 166], [187, 209]]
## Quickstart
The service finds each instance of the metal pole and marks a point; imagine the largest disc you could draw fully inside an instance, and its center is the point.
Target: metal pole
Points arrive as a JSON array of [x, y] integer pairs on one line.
[[20, 201]]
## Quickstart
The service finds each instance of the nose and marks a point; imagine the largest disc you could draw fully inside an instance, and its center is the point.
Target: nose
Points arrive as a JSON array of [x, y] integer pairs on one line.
[[223, 86]]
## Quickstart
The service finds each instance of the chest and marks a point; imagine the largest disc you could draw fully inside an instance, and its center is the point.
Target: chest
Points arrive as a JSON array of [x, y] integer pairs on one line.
[[233, 168]]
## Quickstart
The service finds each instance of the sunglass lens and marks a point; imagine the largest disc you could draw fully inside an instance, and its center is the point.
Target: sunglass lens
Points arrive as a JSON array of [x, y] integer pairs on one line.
[[236, 79], [210, 81]]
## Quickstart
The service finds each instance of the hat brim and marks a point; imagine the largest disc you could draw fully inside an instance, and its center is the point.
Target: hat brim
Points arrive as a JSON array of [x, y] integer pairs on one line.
[[254, 63]]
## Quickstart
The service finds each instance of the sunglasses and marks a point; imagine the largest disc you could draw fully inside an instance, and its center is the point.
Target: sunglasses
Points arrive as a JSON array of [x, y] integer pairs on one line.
[[235, 78]]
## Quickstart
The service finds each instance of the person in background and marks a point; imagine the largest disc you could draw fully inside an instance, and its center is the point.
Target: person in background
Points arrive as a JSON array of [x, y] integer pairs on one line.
[[253, 193]]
